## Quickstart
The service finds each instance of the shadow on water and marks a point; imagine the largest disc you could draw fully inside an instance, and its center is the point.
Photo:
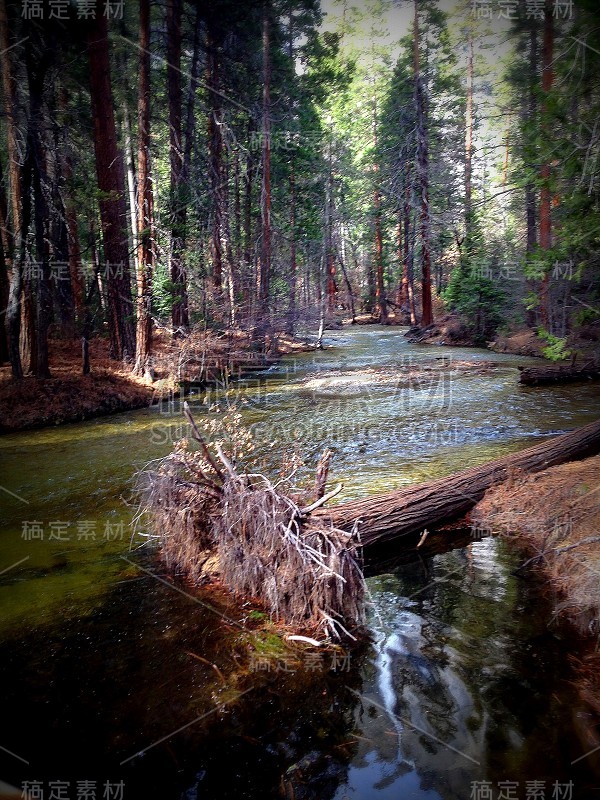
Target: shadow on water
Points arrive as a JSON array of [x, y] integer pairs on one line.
[[145, 691]]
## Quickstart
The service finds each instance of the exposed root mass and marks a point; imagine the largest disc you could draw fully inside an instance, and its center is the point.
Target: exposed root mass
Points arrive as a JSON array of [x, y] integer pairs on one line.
[[268, 547]]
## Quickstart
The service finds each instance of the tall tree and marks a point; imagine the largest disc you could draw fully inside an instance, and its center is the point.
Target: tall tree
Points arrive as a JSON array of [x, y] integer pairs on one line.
[[145, 205], [37, 58], [15, 179], [111, 183], [423, 177], [214, 45], [545, 191], [265, 201], [180, 311]]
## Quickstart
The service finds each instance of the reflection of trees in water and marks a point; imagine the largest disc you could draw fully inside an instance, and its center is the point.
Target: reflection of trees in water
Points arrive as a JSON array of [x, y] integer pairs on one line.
[[434, 712], [465, 663], [105, 686]]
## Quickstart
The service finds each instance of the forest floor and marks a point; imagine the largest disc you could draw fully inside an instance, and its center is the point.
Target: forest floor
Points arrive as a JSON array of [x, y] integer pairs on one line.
[[70, 396], [553, 515]]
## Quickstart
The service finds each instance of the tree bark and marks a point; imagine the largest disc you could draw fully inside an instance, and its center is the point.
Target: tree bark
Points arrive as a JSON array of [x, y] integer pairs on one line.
[[545, 193], [423, 172], [380, 299], [145, 206], [215, 158], [409, 511], [180, 312], [409, 247], [265, 205], [293, 279], [558, 373], [36, 72], [469, 147], [15, 179], [111, 182]]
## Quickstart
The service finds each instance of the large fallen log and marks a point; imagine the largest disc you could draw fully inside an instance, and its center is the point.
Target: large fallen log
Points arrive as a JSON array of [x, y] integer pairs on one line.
[[410, 511], [558, 373]]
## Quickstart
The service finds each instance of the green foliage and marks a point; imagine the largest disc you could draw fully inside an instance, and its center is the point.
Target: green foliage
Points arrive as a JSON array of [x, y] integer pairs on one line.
[[586, 316], [478, 298], [162, 291], [556, 350]]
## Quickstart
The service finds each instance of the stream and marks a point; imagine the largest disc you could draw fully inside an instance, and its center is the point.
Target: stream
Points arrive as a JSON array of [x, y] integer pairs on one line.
[[116, 684]]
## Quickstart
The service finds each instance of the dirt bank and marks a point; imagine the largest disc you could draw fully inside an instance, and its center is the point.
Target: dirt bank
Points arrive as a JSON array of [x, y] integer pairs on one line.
[[450, 330], [554, 515], [69, 396]]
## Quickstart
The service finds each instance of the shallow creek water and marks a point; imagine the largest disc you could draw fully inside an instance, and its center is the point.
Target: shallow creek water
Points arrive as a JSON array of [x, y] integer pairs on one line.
[[466, 687]]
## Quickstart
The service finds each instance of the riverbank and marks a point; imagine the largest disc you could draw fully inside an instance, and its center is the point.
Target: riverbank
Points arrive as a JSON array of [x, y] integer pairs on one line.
[[553, 515], [69, 396], [450, 330]]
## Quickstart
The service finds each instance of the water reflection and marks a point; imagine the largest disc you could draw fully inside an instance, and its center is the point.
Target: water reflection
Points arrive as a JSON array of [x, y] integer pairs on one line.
[[466, 684], [95, 664]]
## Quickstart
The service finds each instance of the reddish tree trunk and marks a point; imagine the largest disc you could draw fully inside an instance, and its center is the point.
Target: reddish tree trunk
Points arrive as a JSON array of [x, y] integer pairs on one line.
[[111, 182], [145, 205]]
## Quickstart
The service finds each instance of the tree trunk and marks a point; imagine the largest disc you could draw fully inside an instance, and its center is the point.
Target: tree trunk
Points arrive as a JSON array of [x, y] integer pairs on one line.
[[342, 260], [559, 373], [330, 285], [180, 312], [145, 206], [111, 183], [265, 204], [423, 172], [293, 279], [248, 270], [380, 299], [469, 148], [409, 249], [15, 179], [4, 294], [215, 159], [410, 511], [131, 176], [73, 245], [545, 194]]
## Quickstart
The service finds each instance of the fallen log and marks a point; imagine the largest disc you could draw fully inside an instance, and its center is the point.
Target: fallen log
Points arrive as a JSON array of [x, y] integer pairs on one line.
[[409, 511], [558, 373]]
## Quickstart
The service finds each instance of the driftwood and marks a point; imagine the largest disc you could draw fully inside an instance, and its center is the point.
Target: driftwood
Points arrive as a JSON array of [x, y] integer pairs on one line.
[[409, 511], [558, 373], [260, 537]]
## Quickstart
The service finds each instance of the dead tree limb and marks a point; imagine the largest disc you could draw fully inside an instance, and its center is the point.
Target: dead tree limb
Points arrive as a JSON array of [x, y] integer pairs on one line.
[[558, 373], [322, 500], [322, 473], [389, 516]]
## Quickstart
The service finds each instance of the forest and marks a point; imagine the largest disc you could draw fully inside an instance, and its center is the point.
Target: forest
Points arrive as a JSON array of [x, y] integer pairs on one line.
[[174, 166]]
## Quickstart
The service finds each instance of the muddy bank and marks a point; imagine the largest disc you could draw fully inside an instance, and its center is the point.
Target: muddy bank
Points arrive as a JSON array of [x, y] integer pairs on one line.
[[68, 396], [553, 516]]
